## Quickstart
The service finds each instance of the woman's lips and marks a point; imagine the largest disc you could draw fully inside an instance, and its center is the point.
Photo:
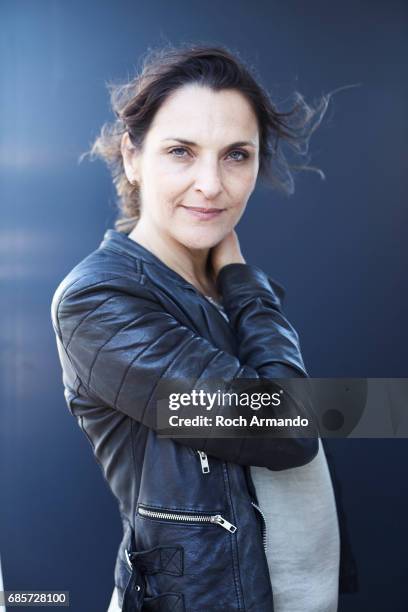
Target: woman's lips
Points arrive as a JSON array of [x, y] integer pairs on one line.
[[203, 213]]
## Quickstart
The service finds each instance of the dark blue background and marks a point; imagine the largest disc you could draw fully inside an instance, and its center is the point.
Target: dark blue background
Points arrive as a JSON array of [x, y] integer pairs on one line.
[[338, 246]]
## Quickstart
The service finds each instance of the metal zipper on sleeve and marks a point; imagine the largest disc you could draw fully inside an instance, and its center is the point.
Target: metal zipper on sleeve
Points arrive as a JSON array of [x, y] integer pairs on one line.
[[195, 518], [205, 466], [263, 526]]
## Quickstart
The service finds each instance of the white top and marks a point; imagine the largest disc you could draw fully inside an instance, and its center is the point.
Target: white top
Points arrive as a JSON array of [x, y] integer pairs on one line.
[[302, 533], [114, 602]]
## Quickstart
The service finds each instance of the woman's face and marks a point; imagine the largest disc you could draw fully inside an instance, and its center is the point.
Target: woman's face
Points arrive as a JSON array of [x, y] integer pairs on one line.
[[198, 165]]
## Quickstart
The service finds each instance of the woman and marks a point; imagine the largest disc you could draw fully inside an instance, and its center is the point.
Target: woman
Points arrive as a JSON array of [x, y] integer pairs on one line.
[[168, 293]]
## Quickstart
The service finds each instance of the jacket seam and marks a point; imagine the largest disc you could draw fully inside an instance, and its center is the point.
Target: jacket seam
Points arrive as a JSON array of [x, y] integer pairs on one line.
[[126, 373], [234, 545], [60, 302], [68, 288], [108, 340], [78, 379], [88, 314], [89, 391], [161, 376], [135, 260], [134, 497], [65, 292], [86, 287], [81, 420]]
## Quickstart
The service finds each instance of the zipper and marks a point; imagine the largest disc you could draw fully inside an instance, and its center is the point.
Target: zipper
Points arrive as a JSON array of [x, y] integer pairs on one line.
[[205, 467], [263, 525], [196, 518]]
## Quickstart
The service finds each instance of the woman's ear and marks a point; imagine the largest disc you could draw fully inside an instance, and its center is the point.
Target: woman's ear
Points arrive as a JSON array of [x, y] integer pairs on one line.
[[130, 159]]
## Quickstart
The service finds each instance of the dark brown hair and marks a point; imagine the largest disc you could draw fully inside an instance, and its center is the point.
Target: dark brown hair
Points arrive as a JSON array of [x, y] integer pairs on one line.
[[164, 70]]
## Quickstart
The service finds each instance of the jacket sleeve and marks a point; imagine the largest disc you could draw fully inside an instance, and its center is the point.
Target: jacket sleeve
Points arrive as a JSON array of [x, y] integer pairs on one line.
[[122, 343]]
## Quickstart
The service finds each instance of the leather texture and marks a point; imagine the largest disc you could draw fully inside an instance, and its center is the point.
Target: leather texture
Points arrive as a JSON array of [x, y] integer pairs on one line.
[[124, 321]]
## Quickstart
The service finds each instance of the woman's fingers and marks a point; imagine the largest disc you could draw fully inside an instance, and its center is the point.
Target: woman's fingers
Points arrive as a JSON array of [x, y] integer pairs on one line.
[[227, 251]]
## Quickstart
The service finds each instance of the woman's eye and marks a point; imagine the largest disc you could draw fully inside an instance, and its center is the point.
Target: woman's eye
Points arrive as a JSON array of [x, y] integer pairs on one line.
[[174, 151], [243, 154], [182, 153]]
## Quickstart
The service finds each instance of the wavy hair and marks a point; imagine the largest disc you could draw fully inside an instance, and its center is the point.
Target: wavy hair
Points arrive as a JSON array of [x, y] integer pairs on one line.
[[165, 69]]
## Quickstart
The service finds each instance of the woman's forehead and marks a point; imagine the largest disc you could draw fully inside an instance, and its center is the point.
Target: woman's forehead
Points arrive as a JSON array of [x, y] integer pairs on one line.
[[197, 113]]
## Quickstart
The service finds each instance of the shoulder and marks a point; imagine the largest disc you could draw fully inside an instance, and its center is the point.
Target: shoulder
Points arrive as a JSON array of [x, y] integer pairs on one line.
[[100, 276]]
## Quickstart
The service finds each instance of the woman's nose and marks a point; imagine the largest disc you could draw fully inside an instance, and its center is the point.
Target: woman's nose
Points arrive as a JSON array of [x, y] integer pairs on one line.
[[208, 179]]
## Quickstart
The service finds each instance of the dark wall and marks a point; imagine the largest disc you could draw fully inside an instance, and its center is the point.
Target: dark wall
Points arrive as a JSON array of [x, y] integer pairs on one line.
[[338, 246]]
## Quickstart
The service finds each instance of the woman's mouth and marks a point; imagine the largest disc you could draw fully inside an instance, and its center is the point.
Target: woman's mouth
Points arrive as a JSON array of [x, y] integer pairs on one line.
[[203, 213]]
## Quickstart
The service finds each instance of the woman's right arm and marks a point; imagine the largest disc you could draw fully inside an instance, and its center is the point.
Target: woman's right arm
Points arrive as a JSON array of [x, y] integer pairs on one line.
[[122, 344]]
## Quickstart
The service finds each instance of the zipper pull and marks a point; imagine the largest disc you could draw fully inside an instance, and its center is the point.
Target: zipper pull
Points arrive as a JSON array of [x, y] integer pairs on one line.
[[205, 468], [217, 518]]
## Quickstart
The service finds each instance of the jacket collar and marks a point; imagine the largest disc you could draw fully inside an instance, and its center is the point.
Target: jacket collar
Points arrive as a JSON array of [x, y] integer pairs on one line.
[[122, 244]]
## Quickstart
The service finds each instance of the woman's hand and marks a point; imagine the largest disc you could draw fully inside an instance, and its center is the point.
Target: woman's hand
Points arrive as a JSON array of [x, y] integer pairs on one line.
[[226, 252]]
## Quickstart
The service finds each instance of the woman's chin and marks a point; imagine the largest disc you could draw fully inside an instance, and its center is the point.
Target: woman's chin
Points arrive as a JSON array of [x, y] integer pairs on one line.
[[200, 240]]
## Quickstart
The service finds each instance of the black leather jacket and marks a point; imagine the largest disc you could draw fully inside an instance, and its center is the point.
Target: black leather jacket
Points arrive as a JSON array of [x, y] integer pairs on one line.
[[123, 320]]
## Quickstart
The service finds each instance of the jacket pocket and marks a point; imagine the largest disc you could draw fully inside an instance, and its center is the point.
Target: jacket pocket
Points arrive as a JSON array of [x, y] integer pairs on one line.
[[206, 580], [165, 515]]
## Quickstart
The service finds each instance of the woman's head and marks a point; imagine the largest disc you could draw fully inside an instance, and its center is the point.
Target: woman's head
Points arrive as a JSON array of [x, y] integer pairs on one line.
[[207, 96], [197, 165]]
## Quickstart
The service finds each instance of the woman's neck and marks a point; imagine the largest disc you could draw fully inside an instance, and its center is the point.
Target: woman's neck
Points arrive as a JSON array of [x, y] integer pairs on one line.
[[191, 264]]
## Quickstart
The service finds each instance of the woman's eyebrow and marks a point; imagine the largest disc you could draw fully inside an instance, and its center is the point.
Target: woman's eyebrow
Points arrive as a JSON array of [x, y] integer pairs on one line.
[[239, 143]]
